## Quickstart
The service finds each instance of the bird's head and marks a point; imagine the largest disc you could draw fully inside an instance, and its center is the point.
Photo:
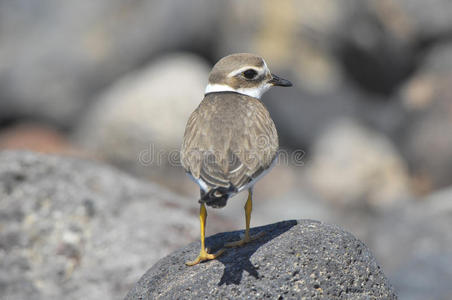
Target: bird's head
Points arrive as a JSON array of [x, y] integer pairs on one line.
[[243, 73]]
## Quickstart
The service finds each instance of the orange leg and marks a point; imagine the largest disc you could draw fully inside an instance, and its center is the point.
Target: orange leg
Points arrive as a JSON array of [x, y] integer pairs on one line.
[[203, 255], [247, 238]]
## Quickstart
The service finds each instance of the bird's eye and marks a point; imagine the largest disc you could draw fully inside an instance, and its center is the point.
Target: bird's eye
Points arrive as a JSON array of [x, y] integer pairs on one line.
[[249, 74]]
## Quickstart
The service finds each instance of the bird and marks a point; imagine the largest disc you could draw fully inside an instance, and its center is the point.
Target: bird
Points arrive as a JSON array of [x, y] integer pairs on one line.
[[230, 140]]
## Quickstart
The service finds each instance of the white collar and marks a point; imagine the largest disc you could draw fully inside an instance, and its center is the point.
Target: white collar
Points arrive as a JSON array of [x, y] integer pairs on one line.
[[255, 92]]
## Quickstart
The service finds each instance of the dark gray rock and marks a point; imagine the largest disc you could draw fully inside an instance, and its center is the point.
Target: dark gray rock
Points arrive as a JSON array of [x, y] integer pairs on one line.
[[75, 229], [295, 259]]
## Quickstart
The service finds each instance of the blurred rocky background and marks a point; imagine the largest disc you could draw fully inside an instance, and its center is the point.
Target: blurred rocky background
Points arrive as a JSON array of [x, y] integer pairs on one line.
[[366, 133]]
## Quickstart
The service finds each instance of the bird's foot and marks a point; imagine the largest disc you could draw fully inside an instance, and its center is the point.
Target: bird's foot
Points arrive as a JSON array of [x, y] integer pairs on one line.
[[203, 256], [246, 239]]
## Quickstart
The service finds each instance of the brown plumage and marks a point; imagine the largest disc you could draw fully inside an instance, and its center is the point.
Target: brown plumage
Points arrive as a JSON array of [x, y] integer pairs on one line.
[[226, 65], [229, 140]]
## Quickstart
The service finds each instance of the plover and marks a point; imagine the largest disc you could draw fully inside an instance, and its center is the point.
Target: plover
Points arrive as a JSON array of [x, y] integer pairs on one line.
[[230, 140]]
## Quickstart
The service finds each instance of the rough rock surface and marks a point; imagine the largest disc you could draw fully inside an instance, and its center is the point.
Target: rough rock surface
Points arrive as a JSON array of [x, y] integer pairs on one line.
[[74, 229], [295, 259]]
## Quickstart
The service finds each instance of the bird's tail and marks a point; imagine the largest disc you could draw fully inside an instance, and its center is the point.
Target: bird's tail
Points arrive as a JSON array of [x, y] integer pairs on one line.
[[217, 197]]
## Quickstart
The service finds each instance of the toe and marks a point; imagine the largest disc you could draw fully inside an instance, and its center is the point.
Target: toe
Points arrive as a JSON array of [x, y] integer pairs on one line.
[[245, 240], [203, 256], [194, 262]]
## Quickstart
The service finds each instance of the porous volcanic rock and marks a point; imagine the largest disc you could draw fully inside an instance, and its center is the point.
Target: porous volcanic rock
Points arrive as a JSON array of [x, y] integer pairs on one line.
[[295, 259]]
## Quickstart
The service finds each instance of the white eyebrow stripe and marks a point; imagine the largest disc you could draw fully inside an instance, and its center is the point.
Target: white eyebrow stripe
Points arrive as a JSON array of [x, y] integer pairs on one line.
[[265, 67], [235, 72]]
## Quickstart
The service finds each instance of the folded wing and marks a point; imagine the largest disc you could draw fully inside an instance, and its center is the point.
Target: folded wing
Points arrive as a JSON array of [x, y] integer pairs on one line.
[[229, 141]]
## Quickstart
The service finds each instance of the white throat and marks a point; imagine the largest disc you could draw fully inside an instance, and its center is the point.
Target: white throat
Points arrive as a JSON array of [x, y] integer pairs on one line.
[[255, 92]]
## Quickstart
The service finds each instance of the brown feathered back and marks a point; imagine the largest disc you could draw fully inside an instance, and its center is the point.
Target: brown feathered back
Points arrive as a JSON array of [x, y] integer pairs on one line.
[[229, 140]]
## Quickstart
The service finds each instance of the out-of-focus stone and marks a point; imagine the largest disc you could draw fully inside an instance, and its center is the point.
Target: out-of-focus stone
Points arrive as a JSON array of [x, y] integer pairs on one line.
[[352, 165], [139, 122], [419, 92], [56, 56], [294, 38], [38, 138], [428, 147], [428, 83], [301, 116], [424, 277], [413, 245], [335, 54], [416, 18], [427, 142]]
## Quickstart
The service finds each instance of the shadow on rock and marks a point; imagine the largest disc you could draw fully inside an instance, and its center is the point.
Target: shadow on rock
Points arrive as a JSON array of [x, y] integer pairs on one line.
[[237, 260], [294, 260]]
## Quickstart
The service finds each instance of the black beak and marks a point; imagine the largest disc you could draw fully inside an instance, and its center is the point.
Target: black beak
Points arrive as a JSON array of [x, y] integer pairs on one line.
[[278, 81]]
